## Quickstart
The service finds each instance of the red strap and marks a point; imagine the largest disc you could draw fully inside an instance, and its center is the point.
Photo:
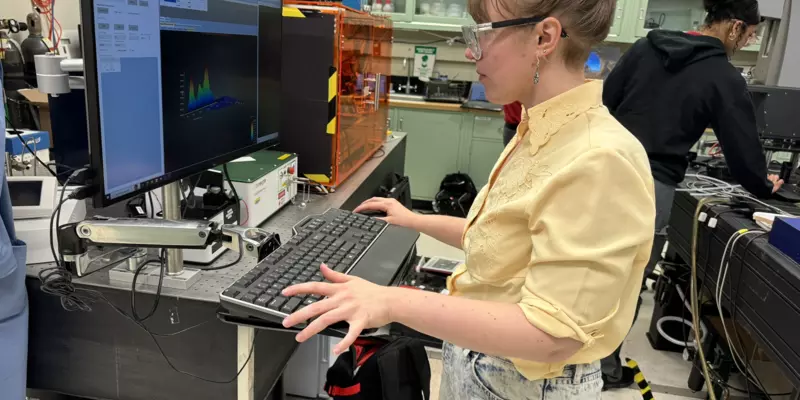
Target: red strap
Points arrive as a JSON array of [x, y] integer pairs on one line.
[[335, 391], [367, 355], [694, 33]]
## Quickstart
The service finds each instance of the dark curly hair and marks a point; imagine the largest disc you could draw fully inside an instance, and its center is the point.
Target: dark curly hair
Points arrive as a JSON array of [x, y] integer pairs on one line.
[[726, 10]]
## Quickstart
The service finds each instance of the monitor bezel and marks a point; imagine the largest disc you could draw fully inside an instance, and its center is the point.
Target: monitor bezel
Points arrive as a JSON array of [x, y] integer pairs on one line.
[[94, 128]]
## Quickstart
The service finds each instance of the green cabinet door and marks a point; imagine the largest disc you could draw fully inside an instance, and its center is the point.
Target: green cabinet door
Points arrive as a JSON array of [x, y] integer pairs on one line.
[[615, 33], [482, 157], [432, 148]]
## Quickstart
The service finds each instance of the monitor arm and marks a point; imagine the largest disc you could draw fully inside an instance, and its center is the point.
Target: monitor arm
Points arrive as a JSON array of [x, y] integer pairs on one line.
[[75, 238]]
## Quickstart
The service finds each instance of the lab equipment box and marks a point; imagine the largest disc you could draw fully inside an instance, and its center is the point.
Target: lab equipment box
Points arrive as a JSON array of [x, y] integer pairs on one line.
[[265, 181], [336, 74]]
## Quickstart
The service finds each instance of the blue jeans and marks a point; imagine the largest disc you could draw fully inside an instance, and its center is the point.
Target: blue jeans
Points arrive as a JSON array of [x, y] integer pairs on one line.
[[470, 375]]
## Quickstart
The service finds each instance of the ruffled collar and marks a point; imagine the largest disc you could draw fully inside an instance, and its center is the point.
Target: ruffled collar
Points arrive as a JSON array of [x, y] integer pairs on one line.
[[547, 118]]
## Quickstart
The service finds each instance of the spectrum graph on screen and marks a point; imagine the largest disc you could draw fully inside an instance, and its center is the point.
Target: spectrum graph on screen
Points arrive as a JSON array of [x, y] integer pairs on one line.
[[201, 98]]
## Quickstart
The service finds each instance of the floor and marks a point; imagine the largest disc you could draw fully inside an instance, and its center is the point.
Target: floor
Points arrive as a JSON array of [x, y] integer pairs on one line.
[[666, 372]]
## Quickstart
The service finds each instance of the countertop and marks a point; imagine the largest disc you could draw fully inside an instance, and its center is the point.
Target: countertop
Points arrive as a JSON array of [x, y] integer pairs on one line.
[[430, 105]]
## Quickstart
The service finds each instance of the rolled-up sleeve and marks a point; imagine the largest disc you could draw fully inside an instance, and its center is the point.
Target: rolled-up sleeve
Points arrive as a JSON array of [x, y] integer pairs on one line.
[[592, 229]]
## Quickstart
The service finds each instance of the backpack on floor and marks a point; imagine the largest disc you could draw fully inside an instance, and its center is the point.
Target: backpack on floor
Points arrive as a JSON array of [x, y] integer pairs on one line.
[[380, 370], [456, 194]]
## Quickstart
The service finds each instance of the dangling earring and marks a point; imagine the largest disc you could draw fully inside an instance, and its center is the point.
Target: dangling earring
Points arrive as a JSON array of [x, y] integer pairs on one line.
[[536, 75]]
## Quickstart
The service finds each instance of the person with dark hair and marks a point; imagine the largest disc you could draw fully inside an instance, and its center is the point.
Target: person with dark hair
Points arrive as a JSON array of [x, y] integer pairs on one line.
[[667, 89], [513, 114]]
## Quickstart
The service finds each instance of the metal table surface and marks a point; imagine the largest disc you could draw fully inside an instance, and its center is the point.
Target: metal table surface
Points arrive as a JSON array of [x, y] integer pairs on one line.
[[101, 355], [211, 283]]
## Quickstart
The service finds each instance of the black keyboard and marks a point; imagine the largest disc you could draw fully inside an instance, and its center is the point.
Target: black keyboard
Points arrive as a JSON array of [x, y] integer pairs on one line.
[[347, 242]]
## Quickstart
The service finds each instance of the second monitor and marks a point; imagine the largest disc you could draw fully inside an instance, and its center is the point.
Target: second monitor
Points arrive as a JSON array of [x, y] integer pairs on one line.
[[177, 87]]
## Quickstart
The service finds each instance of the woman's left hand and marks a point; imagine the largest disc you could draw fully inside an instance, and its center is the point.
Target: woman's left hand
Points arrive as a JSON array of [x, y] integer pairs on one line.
[[362, 304]]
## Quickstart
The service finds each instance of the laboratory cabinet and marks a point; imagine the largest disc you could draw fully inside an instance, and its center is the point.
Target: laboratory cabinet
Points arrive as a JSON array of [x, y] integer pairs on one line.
[[678, 15], [633, 19], [432, 147], [444, 142]]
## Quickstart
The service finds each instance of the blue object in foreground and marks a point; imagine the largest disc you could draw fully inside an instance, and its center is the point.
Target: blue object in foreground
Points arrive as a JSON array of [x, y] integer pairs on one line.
[[785, 236], [13, 297]]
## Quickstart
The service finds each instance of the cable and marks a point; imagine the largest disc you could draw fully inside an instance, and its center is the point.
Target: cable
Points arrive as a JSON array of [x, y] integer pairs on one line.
[[232, 263], [693, 293], [233, 189], [734, 297], [686, 342], [721, 276], [152, 207], [27, 146], [163, 262], [164, 355]]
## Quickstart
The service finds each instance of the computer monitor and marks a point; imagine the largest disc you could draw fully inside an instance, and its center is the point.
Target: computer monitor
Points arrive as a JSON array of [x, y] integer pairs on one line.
[[175, 87], [477, 92]]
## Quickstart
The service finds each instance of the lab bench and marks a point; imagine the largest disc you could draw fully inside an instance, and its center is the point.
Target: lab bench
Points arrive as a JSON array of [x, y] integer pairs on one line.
[[101, 354], [445, 138]]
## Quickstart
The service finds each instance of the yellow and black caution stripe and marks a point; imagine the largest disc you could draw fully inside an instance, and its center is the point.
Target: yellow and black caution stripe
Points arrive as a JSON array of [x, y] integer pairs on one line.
[[638, 377], [291, 12], [333, 92]]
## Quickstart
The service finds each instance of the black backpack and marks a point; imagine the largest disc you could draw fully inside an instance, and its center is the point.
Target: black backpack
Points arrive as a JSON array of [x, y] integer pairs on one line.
[[456, 194], [381, 370]]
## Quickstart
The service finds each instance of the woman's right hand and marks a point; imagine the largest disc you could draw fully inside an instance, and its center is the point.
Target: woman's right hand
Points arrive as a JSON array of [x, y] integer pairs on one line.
[[396, 213]]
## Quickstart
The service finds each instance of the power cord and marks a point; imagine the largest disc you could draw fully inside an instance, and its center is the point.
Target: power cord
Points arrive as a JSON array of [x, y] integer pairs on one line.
[[693, 292], [238, 200], [163, 262], [57, 281]]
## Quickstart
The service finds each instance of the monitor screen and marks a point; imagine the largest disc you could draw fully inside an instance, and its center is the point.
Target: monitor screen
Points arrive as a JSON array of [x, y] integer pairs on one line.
[[477, 92], [178, 86], [25, 193]]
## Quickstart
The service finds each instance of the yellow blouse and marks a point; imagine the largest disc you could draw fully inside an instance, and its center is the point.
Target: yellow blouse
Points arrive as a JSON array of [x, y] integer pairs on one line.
[[564, 227]]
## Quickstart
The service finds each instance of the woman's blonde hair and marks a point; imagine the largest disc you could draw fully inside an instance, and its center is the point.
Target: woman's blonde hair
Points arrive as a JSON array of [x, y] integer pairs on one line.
[[587, 22]]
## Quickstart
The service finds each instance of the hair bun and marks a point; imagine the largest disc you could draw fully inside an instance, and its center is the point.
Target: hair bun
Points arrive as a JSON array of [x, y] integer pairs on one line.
[[717, 5]]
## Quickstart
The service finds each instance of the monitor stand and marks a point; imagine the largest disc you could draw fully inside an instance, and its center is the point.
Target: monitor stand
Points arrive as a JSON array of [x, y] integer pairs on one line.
[[176, 276]]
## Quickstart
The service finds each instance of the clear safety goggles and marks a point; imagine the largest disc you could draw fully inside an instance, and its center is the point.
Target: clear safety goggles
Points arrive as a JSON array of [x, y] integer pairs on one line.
[[473, 33]]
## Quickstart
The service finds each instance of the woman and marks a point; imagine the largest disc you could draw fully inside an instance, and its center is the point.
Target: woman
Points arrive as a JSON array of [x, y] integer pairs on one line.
[[671, 86], [555, 244]]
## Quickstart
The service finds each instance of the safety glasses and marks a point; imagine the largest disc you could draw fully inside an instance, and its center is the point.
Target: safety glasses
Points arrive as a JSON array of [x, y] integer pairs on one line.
[[473, 33]]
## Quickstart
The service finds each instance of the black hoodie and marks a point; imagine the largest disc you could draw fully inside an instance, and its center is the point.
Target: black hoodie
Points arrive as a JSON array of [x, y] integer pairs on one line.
[[668, 88]]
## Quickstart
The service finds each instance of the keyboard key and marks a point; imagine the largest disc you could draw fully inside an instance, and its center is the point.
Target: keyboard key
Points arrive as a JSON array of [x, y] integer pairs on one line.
[[375, 229], [283, 281], [309, 301], [297, 282], [272, 292], [316, 297], [276, 303], [347, 246], [317, 279], [249, 298], [262, 286], [230, 292], [340, 268], [338, 243], [263, 301], [364, 241], [291, 305]]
